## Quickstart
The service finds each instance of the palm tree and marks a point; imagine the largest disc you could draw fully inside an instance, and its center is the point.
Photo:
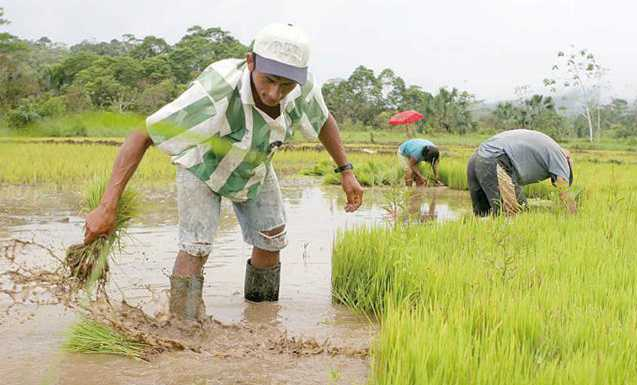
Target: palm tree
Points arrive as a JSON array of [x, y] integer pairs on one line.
[[535, 107], [506, 115]]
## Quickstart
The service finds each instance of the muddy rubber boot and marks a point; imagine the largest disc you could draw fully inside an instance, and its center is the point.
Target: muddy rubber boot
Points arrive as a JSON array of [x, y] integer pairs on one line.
[[262, 284], [186, 300]]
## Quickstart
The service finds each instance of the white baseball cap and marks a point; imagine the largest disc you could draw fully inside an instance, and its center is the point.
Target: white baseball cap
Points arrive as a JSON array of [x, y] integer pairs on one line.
[[282, 50]]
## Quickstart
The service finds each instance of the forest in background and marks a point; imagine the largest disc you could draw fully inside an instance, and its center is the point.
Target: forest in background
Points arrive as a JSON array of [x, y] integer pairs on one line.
[[42, 79]]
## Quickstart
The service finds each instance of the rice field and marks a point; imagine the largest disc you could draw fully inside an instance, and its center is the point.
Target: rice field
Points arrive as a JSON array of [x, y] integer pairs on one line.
[[540, 298], [57, 162], [64, 164]]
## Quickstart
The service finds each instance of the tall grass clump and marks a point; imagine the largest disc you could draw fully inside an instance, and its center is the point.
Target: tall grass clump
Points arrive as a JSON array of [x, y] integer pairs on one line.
[[371, 173], [321, 168], [89, 263], [88, 336], [453, 173], [540, 298]]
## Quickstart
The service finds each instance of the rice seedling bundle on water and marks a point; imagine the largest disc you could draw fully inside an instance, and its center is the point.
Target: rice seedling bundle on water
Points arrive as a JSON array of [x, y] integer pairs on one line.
[[88, 264], [88, 336]]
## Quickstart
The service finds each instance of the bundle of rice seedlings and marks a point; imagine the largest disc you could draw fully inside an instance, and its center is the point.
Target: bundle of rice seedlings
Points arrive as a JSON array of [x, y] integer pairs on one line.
[[88, 264], [88, 336], [507, 192]]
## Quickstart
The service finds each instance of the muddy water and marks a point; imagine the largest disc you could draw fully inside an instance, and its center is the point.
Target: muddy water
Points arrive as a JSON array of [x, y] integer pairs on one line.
[[31, 335]]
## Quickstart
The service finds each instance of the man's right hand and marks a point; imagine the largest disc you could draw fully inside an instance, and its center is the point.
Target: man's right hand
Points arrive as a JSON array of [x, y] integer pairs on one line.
[[102, 220], [99, 222]]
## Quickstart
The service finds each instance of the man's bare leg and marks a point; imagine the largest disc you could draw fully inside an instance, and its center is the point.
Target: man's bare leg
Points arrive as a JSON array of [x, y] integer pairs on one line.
[[187, 265], [262, 259]]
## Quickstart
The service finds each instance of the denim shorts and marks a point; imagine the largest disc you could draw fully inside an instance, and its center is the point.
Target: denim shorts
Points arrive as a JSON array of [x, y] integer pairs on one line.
[[200, 208]]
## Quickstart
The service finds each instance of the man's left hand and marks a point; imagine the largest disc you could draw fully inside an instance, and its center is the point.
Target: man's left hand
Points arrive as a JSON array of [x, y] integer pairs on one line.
[[353, 191]]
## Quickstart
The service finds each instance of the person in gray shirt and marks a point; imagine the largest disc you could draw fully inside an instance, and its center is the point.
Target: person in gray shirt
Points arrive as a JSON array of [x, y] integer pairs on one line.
[[511, 159]]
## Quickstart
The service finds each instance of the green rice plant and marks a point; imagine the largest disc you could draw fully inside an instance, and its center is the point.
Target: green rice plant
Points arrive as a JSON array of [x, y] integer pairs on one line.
[[319, 169], [453, 173], [88, 264], [540, 298], [542, 190], [489, 346], [88, 336], [377, 173], [371, 173]]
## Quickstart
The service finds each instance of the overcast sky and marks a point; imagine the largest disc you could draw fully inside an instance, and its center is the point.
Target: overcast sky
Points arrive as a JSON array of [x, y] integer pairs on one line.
[[485, 46]]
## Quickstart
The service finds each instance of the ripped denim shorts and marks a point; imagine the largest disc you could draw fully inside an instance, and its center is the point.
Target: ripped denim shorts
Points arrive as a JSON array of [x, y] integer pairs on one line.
[[262, 219]]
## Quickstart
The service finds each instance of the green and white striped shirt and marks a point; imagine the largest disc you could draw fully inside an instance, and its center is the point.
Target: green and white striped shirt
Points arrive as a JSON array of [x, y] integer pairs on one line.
[[215, 130]]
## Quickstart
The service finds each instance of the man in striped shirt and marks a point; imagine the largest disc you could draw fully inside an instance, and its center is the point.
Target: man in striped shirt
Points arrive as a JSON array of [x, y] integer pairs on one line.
[[221, 133]]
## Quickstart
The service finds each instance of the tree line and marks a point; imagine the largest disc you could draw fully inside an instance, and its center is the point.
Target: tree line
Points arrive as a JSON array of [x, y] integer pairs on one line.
[[41, 78]]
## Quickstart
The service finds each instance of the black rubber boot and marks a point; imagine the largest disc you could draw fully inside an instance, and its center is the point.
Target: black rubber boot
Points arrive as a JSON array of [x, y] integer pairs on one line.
[[186, 301], [262, 284]]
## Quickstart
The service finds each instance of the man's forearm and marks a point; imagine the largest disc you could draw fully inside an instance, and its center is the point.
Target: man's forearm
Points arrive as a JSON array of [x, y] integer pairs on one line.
[[128, 157], [331, 139]]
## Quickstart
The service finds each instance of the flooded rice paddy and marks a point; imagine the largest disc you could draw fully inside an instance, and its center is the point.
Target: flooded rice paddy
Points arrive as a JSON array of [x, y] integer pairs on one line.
[[302, 339]]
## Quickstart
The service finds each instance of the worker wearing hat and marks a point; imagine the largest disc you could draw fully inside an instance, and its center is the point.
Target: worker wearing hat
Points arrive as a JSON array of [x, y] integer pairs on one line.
[[221, 134]]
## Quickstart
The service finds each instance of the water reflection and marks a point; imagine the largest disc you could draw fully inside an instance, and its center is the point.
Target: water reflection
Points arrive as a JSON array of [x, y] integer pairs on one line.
[[262, 313], [416, 212]]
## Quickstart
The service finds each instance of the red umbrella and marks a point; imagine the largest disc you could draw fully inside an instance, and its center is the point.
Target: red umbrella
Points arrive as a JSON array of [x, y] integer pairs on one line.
[[405, 117]]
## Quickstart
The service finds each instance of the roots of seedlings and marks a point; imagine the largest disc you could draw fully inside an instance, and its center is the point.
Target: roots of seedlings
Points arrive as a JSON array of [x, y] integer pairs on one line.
[[88, 263]]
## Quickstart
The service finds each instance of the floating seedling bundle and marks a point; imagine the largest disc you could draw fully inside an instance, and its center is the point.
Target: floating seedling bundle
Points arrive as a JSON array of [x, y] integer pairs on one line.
[[88, 336], [88, 263]]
